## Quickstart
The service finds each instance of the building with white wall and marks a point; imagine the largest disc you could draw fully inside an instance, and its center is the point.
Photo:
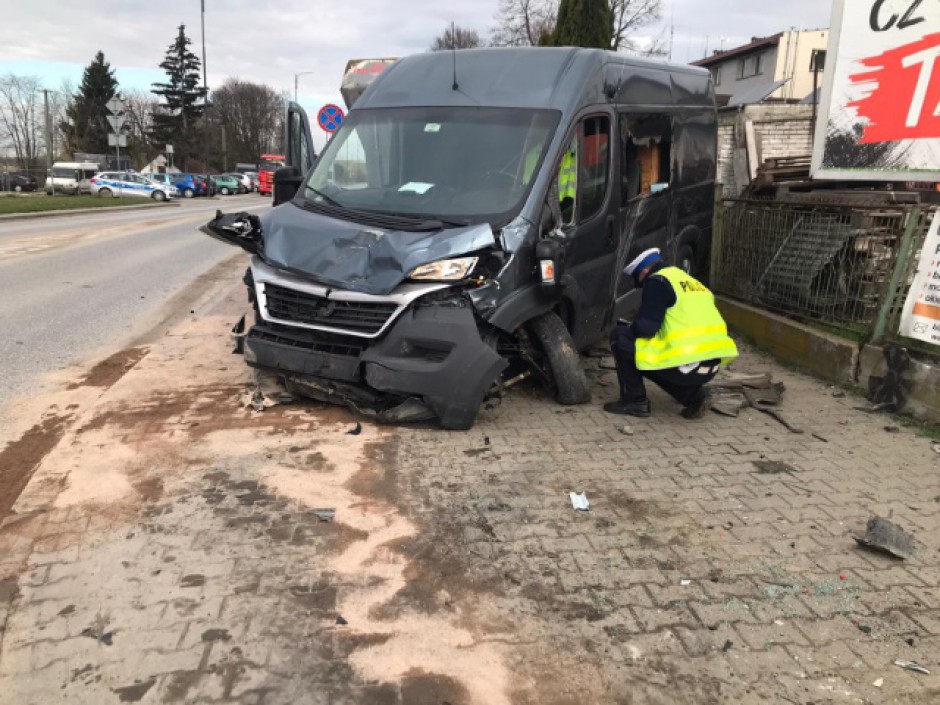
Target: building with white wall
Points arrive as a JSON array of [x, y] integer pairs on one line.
[[787, 59]]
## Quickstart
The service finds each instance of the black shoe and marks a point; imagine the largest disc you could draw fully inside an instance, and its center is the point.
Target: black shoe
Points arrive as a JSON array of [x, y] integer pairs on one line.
[[698, 407], [628, 408]]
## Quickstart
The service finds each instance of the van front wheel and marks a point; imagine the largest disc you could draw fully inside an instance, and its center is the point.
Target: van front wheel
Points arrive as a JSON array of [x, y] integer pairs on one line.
[[564, 362]]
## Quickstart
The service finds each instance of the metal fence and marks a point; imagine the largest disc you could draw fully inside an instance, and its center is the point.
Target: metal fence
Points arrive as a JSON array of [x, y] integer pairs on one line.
[[844, 267]]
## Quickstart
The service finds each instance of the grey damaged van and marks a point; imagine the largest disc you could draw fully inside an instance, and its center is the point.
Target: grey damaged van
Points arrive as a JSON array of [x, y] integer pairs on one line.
[[468, 225]]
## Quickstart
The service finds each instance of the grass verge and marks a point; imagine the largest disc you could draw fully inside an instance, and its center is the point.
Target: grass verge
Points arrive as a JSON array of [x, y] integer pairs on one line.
[[41, 203]]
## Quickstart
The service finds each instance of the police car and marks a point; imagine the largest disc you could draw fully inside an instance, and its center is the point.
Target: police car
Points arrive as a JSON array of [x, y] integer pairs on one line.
[[121, 183]]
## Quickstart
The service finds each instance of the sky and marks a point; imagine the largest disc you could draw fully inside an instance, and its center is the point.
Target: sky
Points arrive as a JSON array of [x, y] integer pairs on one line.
[[270, 42]]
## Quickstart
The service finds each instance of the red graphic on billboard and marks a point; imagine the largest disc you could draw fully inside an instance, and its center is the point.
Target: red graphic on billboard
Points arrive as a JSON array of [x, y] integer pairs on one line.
[[904, 102]]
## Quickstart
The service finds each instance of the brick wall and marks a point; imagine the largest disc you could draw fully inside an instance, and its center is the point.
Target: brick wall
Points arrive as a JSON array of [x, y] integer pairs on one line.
[[781, 131]]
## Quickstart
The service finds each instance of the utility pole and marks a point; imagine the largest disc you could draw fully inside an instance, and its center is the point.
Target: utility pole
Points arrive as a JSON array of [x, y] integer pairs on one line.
[[205, 96], [296, 76], [224, 152], [48, 130]]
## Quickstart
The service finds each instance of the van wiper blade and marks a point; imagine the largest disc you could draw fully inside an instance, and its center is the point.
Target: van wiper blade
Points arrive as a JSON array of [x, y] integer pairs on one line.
[[376, 219], [328, 199], [440, 222]]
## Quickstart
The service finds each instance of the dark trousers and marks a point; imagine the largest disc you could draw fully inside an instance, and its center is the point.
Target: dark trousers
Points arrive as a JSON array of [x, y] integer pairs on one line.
[[683, 387]]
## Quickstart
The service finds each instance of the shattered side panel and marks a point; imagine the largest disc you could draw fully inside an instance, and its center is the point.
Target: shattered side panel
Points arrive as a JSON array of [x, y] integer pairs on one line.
[[356, 257]]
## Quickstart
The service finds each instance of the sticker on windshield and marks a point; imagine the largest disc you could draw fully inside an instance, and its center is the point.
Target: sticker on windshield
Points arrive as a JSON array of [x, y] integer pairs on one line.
[[432, 127], [417, 187]]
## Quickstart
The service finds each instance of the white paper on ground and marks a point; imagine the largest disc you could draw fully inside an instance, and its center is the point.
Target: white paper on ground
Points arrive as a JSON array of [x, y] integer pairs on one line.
[[579, 501]]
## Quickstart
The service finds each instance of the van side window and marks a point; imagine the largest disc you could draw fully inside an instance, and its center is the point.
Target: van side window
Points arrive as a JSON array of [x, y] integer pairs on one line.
[[647, 154], [594, 167]]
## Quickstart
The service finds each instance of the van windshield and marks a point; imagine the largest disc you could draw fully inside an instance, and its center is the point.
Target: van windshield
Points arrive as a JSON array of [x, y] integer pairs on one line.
[[472, 164]]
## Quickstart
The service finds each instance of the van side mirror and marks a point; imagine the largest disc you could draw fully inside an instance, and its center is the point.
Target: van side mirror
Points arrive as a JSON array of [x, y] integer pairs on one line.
[[287, 182], [240, 229]]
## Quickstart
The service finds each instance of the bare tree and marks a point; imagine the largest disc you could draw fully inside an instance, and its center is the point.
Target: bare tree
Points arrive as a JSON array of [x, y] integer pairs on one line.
[[140, 107], [630, 16], [251, 114], [525, 22], [457, 38], [21, 118]]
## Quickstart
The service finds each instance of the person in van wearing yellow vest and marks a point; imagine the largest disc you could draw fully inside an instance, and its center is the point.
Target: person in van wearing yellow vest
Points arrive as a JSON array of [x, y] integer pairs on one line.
[[678, 340]]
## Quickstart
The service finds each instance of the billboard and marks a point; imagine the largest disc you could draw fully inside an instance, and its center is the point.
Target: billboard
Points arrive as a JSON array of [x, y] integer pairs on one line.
[[879, 114]]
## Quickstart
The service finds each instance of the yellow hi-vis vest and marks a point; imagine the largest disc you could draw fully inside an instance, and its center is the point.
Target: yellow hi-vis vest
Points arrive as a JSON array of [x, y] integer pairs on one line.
[[568, 176], [693, 330]]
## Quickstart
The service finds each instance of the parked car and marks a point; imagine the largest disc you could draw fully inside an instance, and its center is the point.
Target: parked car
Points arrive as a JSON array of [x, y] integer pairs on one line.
[[253, 175], [185, 184], [205, 185], [121, 183], [70, 177], [18, 182], [226, 184], [244, 182]]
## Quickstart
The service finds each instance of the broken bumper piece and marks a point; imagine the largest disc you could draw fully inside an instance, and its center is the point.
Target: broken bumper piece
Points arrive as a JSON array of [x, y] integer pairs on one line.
[[431, 363]]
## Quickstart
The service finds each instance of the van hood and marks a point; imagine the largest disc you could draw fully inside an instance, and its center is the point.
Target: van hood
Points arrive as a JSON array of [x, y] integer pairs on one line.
[[357, 257]]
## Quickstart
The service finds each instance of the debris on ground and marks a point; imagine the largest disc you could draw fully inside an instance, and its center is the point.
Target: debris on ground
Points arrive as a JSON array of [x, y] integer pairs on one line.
[[355, 431], [626, 430], [912, 666], [340, 622], [685, 583], [878, 682], [935, 447], [887, 537], [838, 394], [773, 467], [579, 501], [268, 391], [726, 647], [889, 393], [324, 515], [733, 392], [892, 429]]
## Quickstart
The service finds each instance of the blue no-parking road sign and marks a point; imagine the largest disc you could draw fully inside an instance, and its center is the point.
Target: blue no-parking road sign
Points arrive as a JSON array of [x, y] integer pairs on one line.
[[330, 117]]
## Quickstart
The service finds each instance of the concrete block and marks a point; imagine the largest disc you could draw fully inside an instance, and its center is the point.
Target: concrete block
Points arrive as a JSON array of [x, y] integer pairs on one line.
[[825, 355]]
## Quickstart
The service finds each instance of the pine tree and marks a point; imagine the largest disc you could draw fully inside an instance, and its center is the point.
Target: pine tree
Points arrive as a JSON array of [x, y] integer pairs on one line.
[[86, 128], [181, 109], [582, 23]]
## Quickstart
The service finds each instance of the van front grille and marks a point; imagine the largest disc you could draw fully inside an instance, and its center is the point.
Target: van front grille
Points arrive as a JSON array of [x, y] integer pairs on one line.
[[294, 306]]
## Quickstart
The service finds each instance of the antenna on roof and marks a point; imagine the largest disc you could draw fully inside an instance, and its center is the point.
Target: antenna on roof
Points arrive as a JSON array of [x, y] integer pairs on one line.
[[453, 49]]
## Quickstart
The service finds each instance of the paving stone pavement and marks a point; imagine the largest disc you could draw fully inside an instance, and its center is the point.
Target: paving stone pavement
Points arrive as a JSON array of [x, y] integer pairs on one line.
[[165, 551]]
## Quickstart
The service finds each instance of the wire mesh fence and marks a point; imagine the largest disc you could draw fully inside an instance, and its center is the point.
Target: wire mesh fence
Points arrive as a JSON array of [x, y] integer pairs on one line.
[[828, 264]]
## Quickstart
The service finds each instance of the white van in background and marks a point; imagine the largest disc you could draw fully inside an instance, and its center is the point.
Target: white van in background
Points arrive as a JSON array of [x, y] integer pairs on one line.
[[70, 177]]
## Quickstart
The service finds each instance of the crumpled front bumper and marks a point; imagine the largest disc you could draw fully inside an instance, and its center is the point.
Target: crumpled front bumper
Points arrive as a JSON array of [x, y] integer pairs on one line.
[[430, 363]]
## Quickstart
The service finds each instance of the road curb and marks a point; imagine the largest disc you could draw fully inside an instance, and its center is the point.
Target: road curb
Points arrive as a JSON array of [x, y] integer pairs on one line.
[[79, 211]]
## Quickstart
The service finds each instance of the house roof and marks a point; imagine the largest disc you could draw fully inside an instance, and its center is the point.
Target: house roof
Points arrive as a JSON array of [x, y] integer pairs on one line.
[[759, 43]]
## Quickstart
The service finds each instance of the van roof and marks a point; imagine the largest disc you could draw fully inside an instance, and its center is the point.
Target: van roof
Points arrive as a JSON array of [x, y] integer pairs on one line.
[[564, 79]]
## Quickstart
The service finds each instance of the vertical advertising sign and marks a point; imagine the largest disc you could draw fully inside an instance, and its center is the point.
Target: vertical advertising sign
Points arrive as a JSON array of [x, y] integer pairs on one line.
[[879, 116], [921, 316]]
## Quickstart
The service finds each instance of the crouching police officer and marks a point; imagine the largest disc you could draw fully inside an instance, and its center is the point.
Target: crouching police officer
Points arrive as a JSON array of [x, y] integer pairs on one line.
[[678, 340]]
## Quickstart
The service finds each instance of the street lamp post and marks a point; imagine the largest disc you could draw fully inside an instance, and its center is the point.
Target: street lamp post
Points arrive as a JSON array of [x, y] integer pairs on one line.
[[205, 89], [296, 76]]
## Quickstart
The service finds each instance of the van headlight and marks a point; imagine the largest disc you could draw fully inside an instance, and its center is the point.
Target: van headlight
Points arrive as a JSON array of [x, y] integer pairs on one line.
[[445, 269]]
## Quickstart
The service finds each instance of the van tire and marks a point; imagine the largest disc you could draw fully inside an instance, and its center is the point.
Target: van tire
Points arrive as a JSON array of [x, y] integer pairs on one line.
[[104, 193], [188, 193], [158, 196], [564, 362]]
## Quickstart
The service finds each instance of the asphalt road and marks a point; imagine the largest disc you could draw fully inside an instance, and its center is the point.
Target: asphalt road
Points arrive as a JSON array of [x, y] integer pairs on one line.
[[81, 286]]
